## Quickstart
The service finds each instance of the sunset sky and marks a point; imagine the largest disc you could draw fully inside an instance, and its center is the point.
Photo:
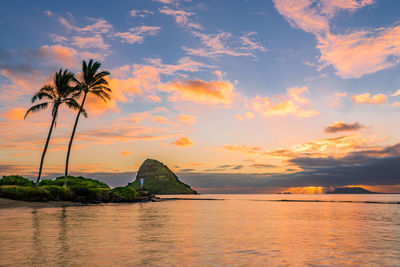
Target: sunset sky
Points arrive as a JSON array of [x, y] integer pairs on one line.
[[244, 96]]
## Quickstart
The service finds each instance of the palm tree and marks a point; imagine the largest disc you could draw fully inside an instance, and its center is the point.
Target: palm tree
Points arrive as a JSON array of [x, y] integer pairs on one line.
[[90, 82], [57, 94]]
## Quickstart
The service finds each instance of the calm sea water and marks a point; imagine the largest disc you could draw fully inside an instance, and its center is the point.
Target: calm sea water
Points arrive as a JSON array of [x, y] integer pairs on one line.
[[236, 230]]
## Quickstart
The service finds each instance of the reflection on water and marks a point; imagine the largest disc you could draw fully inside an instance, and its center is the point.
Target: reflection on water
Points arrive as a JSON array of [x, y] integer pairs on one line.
[[238, 230]]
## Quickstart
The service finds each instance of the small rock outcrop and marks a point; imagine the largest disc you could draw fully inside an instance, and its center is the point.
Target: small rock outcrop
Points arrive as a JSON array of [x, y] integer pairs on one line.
[[159, 180]]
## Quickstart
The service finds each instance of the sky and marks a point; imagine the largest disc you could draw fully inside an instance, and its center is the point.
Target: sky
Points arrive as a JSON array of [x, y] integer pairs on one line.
[[244, 96]]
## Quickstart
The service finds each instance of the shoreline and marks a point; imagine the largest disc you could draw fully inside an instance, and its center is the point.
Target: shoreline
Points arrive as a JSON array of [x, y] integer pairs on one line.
[[10, 203]]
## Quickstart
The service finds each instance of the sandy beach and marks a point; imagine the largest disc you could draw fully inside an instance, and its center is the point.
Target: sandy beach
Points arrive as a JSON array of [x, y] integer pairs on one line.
[[9, 203]]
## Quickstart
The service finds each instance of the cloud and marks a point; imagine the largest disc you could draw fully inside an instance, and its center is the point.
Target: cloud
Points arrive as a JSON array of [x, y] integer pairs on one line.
[[181, 17], [215, 45], [397, 93], [319, 148], [243, 149], [239, 117], [15, 114], [367, 99], [141, 13], [213, 92], [361, 52], [126, 153], [185, 64], [187, 119], [161, 119], [290, 106], [95, 41], [354, 53], [67, 56], [137, 34], [341, 126], [183, 141], [142, 81], [337, 98]]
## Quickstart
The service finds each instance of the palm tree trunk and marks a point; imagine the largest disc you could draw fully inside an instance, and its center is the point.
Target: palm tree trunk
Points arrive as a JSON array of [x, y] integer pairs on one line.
[[72, 138], [45, 147]]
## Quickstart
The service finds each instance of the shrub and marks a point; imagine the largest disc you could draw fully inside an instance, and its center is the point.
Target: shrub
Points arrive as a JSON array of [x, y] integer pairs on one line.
[[124, 194], [75, 181], [15, 180], [59, 193], [27, 193]]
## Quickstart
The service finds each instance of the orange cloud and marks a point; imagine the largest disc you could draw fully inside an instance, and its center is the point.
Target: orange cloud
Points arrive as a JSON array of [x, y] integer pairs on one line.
[[324, 147], [65, 55], [183, 141], [243, 149], [15, 114], [239, 117], [153, 98], [249, 115], [126, 153], [188, 119], [213, 92], [265, 107], [367, 99], [145, 80], [161, 119]]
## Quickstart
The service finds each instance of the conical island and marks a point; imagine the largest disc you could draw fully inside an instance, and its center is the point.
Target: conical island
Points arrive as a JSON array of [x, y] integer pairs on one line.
[[159, 179]]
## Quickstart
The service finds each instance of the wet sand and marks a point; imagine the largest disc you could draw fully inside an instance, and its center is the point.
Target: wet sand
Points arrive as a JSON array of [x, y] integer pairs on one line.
[[9, 203]]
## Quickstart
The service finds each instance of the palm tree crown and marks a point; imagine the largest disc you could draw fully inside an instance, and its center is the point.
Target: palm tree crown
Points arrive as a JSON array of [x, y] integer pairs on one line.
[[90, 82]]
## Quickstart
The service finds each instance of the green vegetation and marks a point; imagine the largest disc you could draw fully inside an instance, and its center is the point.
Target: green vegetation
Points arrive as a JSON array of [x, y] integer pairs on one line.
[[27, 193], [75, 181], [79, 189], [15, 180], [92, 83], [159, 179], [124, 194], [62, 92]]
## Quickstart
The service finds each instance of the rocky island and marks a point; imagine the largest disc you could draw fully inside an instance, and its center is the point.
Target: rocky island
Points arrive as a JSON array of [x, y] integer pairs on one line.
[[159, 179], [350, 190]]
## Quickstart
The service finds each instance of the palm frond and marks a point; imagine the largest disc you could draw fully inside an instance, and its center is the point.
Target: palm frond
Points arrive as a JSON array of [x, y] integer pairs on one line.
[[36, 108], [71, 103]]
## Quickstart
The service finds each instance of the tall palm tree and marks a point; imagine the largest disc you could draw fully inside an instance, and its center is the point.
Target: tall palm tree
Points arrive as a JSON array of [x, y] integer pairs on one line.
[[61, 92], [90, 82]]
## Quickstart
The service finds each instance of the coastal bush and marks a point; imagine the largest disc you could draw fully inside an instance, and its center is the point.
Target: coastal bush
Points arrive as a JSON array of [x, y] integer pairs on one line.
[[27, 193], [75, 181], [123, 194], [58, 193], [89, 194], [15, 180]]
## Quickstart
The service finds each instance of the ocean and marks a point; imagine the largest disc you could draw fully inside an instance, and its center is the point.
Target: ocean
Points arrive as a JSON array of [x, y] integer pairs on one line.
[[208, 230]]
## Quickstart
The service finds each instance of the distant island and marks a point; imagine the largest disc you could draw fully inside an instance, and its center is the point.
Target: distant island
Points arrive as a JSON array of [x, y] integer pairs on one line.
[[159, 179], [351, 190]]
